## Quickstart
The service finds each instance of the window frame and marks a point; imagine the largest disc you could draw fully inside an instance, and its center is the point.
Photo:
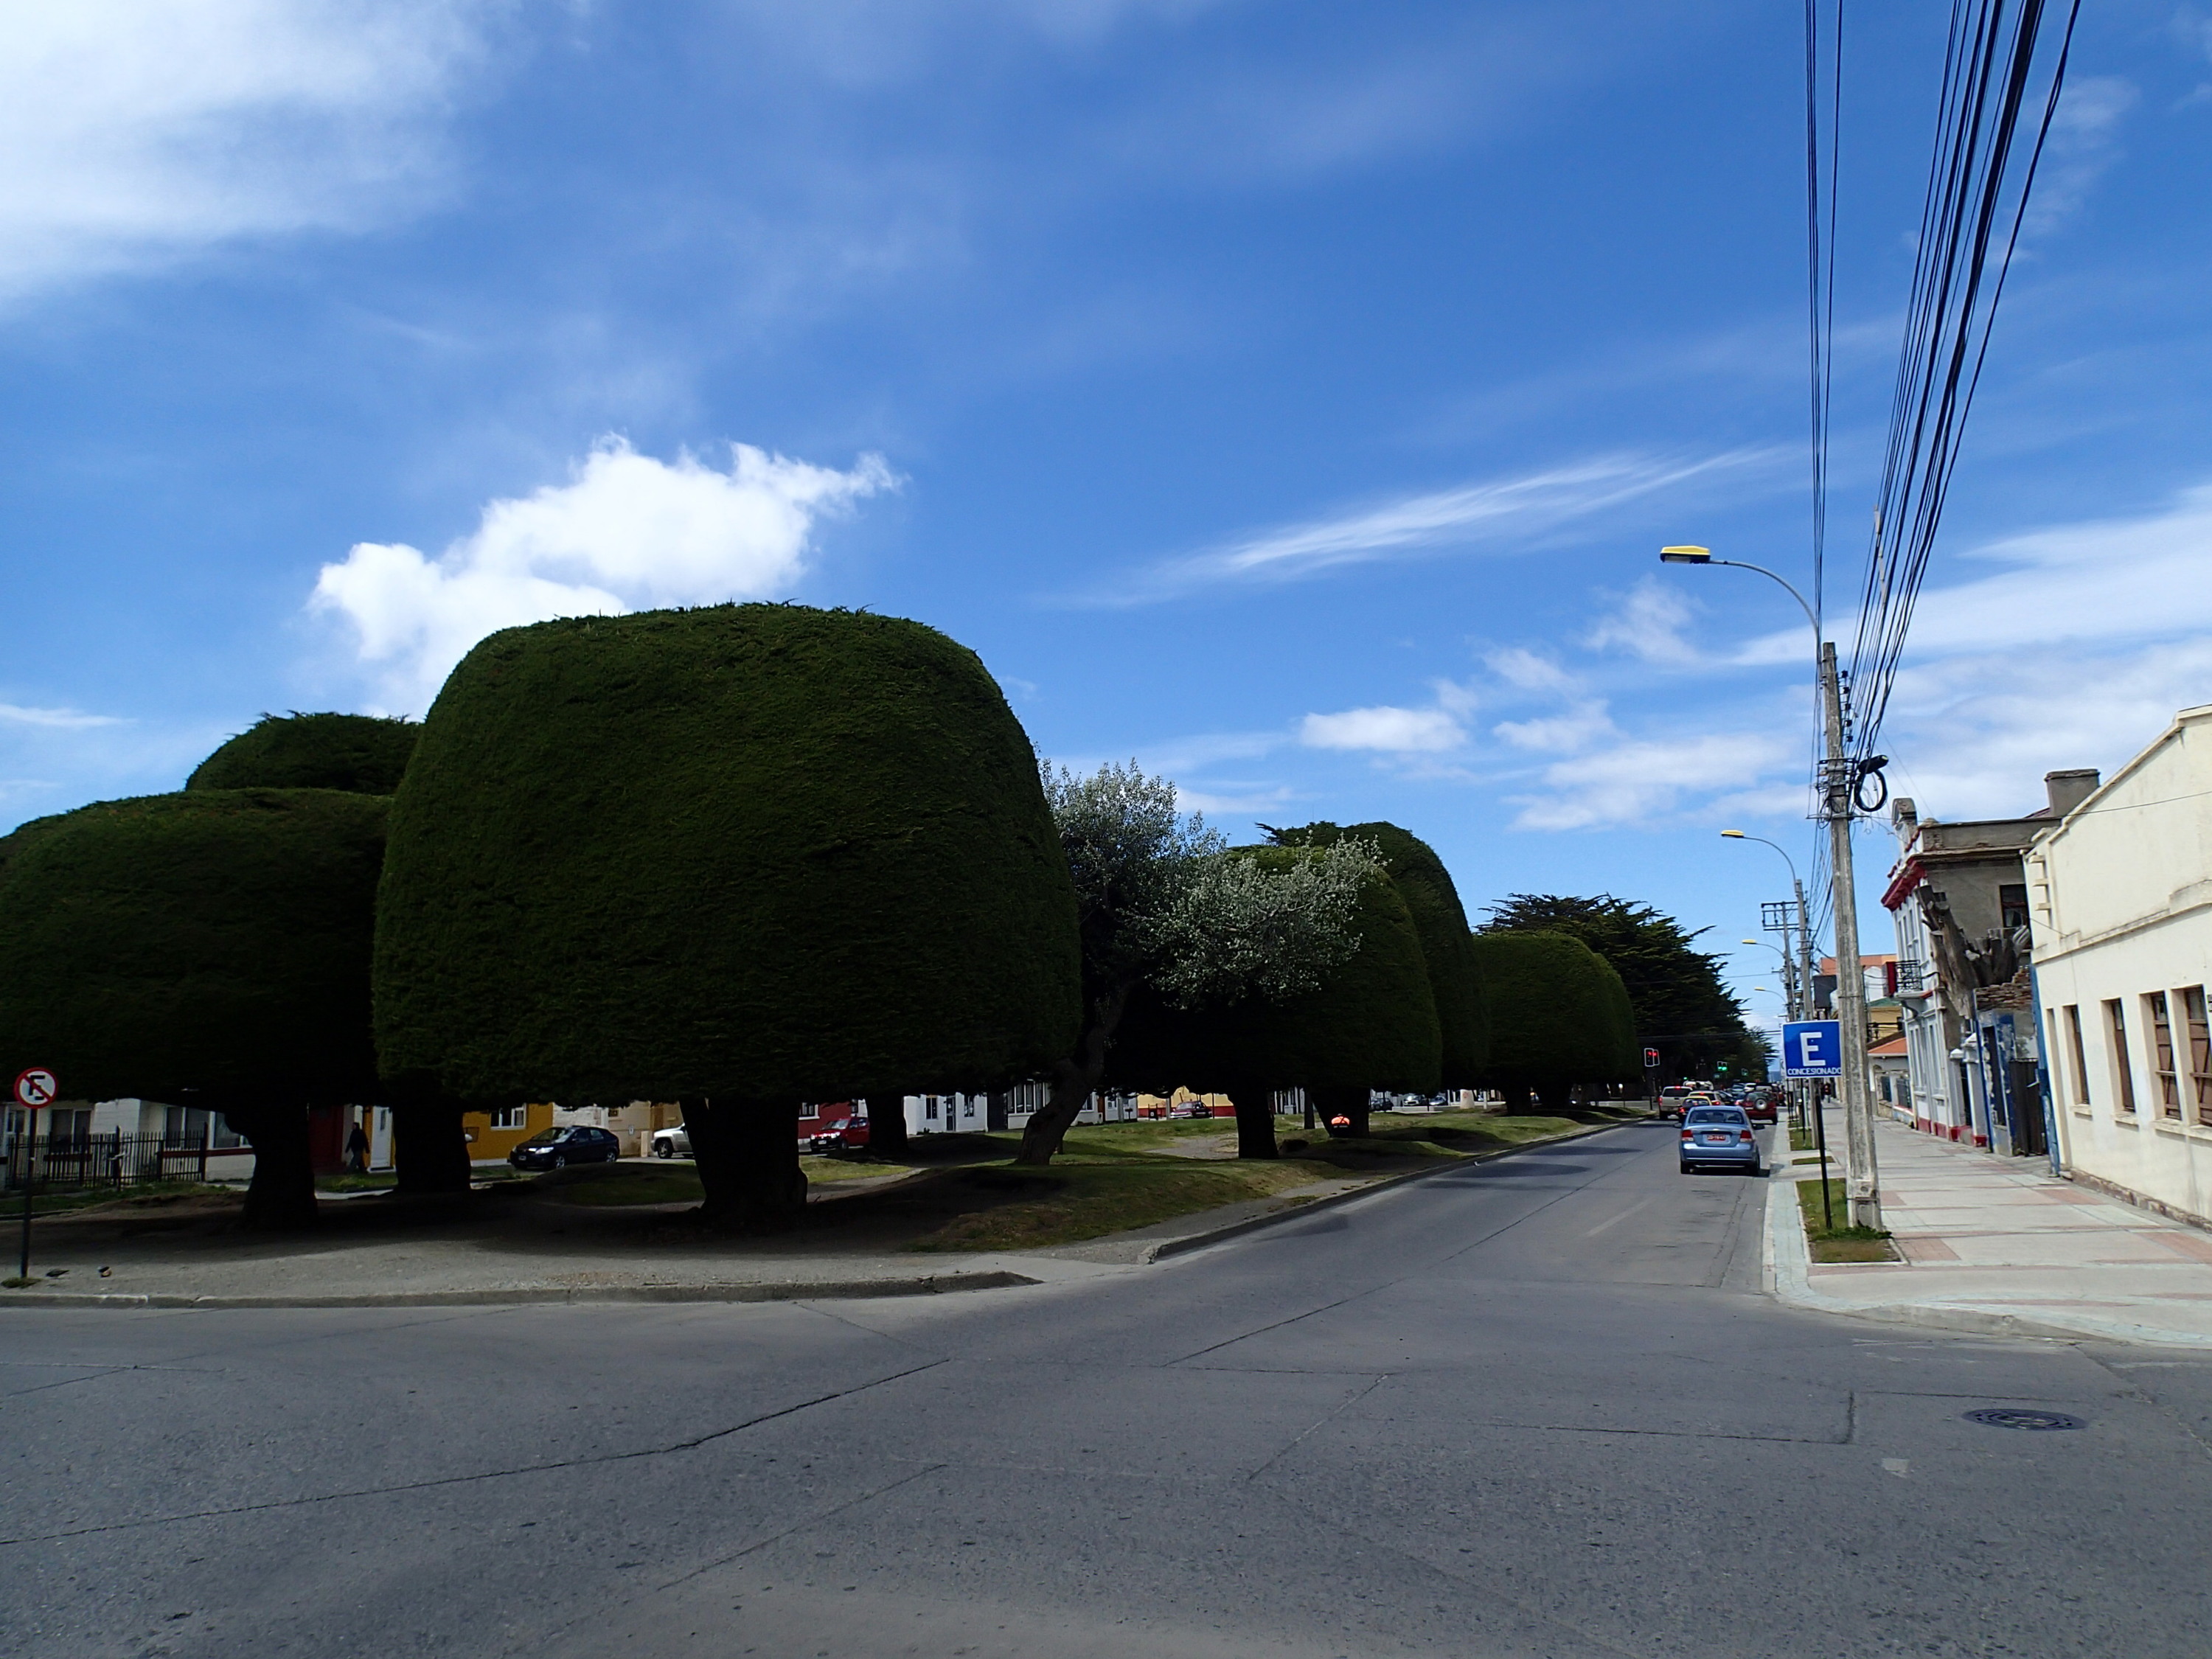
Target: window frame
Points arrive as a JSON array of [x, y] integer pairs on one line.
[[2157, 1022], [2124, 1080], [2194, 1014], [2078, 1052]]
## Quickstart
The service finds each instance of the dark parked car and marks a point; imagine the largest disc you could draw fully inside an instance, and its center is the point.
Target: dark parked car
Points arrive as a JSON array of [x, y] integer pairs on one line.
[[556, 1149], [1718, 1134]]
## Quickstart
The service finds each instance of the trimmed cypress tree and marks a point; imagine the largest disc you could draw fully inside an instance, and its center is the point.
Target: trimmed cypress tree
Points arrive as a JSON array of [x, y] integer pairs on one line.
[[360, 752], [209, 948], [1553, 1024], [1625, 1064], [1372, 1024], [742, 857], [1432, 900]]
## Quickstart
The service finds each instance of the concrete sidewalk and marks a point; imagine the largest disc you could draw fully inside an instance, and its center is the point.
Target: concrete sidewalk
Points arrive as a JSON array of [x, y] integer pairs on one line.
[[1998, 1245]]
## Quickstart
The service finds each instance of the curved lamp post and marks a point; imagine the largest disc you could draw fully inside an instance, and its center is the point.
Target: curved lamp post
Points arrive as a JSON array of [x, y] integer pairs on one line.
[[1839, 781]]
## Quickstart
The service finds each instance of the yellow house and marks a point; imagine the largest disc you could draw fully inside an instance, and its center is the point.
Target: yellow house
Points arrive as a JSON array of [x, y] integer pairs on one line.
[[492, 1135]]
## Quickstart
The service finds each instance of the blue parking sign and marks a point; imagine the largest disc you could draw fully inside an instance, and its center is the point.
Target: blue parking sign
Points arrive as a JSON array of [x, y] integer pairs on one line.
[[1812, 1047]]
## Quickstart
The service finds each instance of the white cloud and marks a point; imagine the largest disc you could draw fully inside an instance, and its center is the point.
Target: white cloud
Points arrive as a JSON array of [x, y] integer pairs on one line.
[[66, 719], [137, 130], [1647, 622], [626, 530], [1394, 731], [1500, 513], [1640, 780], [2084, 141]]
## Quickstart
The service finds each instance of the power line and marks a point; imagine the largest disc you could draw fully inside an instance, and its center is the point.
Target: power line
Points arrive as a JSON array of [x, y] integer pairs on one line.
[[1989, 70]]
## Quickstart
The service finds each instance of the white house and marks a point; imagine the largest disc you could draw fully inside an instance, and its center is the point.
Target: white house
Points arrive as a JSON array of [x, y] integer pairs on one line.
[[2120, 894]]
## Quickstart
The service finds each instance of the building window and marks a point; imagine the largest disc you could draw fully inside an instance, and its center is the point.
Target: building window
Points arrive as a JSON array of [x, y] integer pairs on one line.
[[810, 1110], [929, 1107], [2124, 1081], [510, 1118], [2012, 906], [2161, 1049], [2200, 1050], [2075, 1052]]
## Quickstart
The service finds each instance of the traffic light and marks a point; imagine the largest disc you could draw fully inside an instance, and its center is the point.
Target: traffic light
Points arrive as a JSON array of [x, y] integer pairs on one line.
[[1651, 1059]]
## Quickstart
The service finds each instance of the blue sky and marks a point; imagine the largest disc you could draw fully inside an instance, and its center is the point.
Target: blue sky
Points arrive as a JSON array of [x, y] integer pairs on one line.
[[1292, 396]]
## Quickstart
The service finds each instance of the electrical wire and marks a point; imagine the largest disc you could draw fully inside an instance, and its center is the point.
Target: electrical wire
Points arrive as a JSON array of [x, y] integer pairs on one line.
[[1990, 68]]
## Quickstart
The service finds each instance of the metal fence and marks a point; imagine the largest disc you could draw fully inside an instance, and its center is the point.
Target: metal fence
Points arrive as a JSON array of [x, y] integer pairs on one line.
[[51, 1163]]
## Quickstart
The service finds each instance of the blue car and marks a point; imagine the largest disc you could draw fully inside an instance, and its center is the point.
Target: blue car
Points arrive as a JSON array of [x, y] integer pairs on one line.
[[1718, 1134]]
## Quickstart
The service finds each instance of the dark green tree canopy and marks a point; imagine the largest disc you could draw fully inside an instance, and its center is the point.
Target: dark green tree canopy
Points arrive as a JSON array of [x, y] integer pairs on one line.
[[1441, 921], [359, 752], [1372, 1024], [1674, 988], [752, 851], [1551, 1024], [211, 945]]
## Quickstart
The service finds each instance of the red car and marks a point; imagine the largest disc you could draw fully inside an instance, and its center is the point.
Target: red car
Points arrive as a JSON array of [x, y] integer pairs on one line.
[[850, 1136], [1765, 1106]]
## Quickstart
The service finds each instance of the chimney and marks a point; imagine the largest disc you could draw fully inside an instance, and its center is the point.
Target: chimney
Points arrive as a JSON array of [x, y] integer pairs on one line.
[[2068, 790], [1903, 817]]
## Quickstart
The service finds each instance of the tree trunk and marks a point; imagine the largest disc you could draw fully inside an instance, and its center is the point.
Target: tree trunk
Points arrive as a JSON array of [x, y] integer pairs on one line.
[[747, 1153], [1343, 1103], [1073, 1081], [887, 1127], [428, 1148], [1556, 1098], [1255, 1121], [281, 1198]]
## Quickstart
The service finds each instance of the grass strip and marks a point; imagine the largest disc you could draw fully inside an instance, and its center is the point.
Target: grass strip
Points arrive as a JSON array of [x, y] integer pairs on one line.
[[145, 1195], [1840, 1243]]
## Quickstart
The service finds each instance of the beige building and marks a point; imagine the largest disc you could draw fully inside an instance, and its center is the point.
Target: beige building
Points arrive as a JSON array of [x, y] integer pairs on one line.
[[2120, 897]]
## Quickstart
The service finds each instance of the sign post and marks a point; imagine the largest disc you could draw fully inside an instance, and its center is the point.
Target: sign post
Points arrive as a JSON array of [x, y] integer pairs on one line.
[[1814, 1049], [33, 1089]]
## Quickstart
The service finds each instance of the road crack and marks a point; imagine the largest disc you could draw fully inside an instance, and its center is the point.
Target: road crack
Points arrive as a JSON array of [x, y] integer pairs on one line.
[[433, 1483]]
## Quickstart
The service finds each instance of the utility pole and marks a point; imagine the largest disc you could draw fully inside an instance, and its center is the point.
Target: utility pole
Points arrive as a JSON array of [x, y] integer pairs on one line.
[[1838, 786]]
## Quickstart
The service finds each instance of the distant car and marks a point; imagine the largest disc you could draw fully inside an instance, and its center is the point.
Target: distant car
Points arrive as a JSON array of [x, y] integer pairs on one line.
[[671, 1142], [556, 1149], [850, 1136], [1191, 1109], [1714, 1134], [1765, 1105]]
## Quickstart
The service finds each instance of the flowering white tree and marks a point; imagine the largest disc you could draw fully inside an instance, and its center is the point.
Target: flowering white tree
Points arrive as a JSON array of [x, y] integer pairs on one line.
[[1160, 901]]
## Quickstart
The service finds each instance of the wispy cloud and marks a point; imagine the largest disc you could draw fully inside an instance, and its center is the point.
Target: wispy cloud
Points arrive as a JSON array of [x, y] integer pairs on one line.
[[1496, 515], [64, 719], [134, 131]]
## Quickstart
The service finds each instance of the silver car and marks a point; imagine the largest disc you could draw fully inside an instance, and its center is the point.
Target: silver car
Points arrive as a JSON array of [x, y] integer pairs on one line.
[[1718, 1134]]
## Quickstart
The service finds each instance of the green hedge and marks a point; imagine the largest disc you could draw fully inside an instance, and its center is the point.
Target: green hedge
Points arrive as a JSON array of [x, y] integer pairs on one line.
[[746, 851], [1372, 1025], [358, 752], [1454, 979], [1556, 1012], [211, 945]]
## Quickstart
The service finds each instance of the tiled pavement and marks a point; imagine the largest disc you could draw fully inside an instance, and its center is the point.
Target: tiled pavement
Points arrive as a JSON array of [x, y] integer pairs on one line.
[[1996, 1243]]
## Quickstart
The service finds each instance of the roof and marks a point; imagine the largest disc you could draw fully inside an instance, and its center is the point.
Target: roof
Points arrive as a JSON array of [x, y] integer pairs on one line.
[[1892, 1049]]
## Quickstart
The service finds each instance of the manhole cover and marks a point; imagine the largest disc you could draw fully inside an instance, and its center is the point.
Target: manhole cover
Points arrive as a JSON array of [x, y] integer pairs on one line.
[[2015, 1417]]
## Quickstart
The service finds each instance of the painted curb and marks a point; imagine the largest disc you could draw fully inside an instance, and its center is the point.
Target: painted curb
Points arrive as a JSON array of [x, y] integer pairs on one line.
[[790, 1291], [1788, 1262], [1168, 1248]]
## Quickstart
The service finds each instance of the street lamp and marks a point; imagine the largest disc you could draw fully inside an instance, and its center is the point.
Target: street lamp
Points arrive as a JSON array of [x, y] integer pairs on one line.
[[1804, 988], [1839, 782]]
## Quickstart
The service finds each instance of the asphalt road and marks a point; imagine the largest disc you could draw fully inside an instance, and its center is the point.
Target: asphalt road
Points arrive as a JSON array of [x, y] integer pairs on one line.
[[1533, 1407]]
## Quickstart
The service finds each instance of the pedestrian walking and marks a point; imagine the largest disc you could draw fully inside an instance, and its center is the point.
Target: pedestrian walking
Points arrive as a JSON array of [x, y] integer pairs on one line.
[[357, 1151]]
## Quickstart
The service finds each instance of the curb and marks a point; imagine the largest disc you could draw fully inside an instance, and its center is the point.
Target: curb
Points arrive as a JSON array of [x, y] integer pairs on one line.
[[789, 1290], [1189, 1242], [1787, 1262]]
